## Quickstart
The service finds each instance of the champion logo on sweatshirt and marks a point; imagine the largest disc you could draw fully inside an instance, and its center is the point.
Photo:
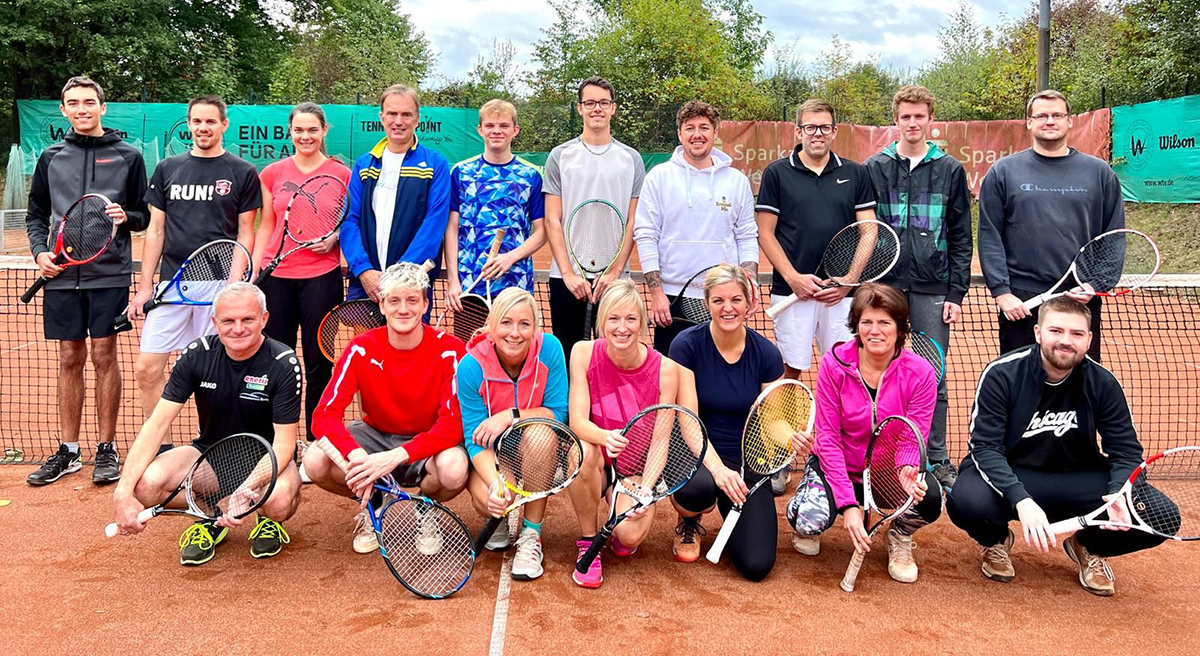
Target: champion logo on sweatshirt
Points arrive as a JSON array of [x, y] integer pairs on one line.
[[1052, 422]]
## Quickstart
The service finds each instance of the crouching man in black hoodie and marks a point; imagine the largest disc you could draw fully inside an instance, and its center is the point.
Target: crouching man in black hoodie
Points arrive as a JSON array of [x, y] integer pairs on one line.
[[1033, 452], [81, 301]]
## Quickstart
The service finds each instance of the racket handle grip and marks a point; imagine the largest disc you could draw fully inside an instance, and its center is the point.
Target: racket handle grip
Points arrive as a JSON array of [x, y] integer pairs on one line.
[[1032, 303], [146, 515], [264, 274], [598, 543], [485, 534], [718, 546], [34, 289], [851, 576], [111, 530], [781, 306]]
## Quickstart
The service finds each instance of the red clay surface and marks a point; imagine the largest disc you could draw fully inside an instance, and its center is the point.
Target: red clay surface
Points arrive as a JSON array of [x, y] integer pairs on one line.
[[68, 589]]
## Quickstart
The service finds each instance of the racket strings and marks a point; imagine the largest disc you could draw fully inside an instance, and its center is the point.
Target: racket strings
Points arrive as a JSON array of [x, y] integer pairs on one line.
[[1116, 260], [926, 347], [1167, 497], [893, 465], [861, 252], [231, 478], [663, 451], [344, 323], [86, 229], [694, 309], [767, 443], [316, 210], [471, 318], [538, 458], [426, 545], [595, 235]]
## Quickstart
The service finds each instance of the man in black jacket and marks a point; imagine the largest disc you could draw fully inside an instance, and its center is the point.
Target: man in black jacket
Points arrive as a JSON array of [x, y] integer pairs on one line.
[[81, 301], [922, 193], [1033, 453]]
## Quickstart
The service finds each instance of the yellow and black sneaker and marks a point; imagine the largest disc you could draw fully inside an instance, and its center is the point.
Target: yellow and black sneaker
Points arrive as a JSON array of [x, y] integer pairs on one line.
[[199, 542], [267, 538]]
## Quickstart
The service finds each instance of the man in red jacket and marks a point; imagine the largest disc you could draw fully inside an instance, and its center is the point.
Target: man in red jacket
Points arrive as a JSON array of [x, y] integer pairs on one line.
[[411, 427]]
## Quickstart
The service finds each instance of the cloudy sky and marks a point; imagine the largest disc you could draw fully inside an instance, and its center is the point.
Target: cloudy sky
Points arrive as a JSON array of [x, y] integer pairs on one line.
[[902, 33]]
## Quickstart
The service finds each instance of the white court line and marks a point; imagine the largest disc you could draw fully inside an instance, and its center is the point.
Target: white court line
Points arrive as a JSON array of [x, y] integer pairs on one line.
[[500, 614]]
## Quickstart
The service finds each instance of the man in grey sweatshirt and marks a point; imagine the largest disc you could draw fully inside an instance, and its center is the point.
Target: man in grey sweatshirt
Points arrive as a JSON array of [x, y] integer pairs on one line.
[[1037, 208]]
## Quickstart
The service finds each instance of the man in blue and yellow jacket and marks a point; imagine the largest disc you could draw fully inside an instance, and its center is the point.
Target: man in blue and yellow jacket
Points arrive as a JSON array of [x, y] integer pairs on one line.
[[399, 195]]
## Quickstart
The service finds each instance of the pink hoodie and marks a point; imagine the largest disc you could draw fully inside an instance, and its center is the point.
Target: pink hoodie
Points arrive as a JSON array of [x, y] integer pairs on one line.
[[846, 416]]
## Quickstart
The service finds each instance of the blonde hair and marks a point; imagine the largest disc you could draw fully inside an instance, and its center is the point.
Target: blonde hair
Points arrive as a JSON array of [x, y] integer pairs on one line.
[[619, 293], [497, 107], [725, 273], [504, 303], [912, 93], [403, 275]]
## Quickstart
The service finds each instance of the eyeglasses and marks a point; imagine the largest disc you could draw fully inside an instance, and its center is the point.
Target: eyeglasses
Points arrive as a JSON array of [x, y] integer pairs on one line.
[[593, 104], [811, 129], [1041, 118]]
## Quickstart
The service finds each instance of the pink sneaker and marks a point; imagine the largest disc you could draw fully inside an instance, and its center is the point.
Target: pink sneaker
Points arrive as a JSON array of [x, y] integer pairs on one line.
[[619, 549], [595, 574]]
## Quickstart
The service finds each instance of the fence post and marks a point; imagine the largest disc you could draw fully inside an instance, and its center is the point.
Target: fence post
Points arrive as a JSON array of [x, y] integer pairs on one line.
[[250, 97], [1103, 99], [571, 118]]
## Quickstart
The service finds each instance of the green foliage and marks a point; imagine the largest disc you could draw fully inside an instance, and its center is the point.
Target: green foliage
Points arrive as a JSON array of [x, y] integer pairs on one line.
[[496, 76], [860, 91]]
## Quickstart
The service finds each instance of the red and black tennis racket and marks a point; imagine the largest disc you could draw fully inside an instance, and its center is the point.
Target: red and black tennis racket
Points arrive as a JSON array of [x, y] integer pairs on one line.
[[83, 235], [313, 214]]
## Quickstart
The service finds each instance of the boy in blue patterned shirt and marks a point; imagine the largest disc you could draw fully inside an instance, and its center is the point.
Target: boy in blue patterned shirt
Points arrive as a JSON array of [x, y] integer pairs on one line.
[[489, 192]]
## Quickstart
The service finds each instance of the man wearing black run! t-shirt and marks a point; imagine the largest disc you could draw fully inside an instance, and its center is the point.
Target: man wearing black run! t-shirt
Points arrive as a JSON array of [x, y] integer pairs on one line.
[[243, 382], [197, 197]]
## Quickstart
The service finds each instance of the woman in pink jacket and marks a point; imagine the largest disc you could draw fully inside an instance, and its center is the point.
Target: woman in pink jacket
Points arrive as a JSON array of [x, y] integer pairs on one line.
[[859, 383]]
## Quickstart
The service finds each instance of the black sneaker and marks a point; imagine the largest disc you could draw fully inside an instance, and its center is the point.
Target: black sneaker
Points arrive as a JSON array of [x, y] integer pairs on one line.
[[108, 465], [199, 542], [60, 464], [267, 538], [945, 472]]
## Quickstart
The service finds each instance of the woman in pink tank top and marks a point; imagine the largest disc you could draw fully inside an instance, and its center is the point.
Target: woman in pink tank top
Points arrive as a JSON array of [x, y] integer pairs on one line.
[[612, 379]]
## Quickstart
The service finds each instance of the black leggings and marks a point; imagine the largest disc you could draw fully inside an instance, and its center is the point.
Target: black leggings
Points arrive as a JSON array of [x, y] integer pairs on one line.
[[566, 315], [752, 545], [300, 304], [979, 510]]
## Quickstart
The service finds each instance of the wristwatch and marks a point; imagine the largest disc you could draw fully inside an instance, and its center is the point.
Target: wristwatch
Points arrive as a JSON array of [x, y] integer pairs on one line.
[[516, 414]]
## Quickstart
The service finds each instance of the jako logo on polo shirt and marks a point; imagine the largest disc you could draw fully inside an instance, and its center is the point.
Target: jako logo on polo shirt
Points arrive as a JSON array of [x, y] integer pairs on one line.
[[255, 382], [1053, 190]]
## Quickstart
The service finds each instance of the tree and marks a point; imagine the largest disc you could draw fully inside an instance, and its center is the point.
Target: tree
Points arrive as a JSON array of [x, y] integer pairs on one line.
[[495, 76], [860, 91], [786, 83]]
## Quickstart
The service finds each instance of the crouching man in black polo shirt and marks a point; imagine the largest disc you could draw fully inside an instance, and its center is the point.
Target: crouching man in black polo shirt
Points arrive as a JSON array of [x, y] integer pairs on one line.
[[244, 382]]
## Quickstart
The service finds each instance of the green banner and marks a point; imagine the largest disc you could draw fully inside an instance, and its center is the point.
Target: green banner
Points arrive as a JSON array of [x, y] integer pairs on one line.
[[1155, 150], [258, 133]]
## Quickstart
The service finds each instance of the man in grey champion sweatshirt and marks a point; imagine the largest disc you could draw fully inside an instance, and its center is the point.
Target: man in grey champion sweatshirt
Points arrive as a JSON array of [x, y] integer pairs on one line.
[[1037, 208]]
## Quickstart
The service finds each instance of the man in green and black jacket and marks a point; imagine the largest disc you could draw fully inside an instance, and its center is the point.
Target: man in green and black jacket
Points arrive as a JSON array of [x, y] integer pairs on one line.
[[922, 193]]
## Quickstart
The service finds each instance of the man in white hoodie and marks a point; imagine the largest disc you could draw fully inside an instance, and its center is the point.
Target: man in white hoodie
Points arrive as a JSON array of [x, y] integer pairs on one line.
[[695, 211]]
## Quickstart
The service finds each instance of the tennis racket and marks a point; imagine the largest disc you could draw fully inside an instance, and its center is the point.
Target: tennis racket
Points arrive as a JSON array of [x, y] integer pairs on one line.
[[235, 476], [595, 233], [666, 444], [535, 458], [784, 408], [689, 304], [345, 322], [425, 545], [862, 252], [201, 276], [1114, 263], [929, 348], [83, 235], [1168, 508], [475, 308], [895, 466], [314, 212]]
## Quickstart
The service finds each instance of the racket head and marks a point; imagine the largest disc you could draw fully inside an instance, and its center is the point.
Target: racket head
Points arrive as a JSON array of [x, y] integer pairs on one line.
[[345, 322], [895, 462], [666, 443], [862, 252], [426, 546], [785, 407], [472, 317], [315, 210], [1117, 262], [235, 476], [929, 349], [209, 269], [85, 231], [1165, 494], [538, 457], [595, 232], [689, 303]]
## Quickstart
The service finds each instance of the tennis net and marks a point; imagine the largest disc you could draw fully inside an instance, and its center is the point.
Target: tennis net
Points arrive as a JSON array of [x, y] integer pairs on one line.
[[1151, 343]]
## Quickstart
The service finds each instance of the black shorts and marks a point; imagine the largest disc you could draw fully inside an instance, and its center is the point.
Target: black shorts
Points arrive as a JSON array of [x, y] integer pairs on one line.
[[75, 314]]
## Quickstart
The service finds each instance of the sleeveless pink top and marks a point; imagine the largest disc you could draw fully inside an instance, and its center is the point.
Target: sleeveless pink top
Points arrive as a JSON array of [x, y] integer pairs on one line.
[[619, 394]]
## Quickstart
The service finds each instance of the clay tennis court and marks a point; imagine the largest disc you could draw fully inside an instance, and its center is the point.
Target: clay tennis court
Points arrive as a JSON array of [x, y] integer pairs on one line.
[[68, 587]]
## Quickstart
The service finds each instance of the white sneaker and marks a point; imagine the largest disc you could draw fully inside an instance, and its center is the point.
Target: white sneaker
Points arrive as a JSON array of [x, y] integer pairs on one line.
[[901, 565], [365, 540], [808, 545], [527, 565], [499, 539], [429, 534]]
